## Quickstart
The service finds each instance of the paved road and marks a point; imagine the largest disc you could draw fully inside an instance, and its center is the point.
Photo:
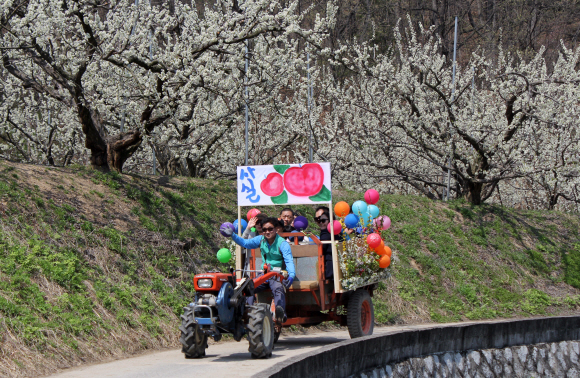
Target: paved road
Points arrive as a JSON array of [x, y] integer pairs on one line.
[[222, 359]]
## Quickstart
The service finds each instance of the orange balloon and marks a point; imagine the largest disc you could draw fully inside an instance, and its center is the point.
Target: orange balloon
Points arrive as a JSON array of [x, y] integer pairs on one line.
[[387, 251], [379, 248], [384, 261], [341, 209]]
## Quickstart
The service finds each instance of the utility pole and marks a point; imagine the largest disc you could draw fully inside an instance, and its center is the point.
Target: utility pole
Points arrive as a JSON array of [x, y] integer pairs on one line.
[[452, 99], [151, 58], [473, 90], [246, 98], [121, 129], [309, 103]]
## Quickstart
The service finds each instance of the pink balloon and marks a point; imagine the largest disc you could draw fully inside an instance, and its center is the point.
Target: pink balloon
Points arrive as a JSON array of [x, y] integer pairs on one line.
[[373, 240], [382, 222], [337, 227], [371, 196], [252, 213]]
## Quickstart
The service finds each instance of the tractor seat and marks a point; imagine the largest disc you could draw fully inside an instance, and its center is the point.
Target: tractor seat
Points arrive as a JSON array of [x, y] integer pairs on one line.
[[304, 285]]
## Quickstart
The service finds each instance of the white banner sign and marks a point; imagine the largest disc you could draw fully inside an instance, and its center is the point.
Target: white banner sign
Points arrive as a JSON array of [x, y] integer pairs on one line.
[[291, 184]]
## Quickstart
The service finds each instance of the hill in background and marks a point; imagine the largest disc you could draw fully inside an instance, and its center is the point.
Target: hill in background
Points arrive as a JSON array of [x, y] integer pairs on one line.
[[97, 266]]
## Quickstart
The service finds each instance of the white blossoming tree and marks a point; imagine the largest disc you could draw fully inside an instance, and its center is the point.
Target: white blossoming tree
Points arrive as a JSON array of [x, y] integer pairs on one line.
[[133, 73], [404, 122]]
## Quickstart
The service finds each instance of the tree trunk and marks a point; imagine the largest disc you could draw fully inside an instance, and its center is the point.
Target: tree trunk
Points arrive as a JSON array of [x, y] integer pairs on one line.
[[473, 193], [121, 147]]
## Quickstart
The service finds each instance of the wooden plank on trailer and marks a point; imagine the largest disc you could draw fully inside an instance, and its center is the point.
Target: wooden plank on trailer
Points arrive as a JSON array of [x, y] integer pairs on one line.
[[335, 264], [339, 277], [304, 250], [304, 285]]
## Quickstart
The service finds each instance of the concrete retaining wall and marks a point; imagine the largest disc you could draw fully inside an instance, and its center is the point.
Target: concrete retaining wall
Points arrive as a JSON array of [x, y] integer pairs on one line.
[[538, 360], [355, 356]]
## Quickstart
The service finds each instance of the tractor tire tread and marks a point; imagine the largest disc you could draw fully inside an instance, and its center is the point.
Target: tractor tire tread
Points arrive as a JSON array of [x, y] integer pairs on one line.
[[353, 313], [188, 329], [256, 315]]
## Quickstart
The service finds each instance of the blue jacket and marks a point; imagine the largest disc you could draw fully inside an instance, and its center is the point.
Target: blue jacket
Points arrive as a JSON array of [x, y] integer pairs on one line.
[[257, 241]]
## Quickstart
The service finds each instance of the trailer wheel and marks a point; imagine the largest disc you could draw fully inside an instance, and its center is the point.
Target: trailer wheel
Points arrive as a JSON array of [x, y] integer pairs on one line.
[[260, 331], [360, 314], [192, 338]]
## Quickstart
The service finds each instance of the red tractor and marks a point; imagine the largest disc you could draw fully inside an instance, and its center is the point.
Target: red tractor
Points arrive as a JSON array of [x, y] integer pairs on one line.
[[220, 300], [220, 303]]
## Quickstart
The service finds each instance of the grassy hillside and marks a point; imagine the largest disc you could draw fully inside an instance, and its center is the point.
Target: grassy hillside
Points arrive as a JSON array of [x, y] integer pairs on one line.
[[96, 266]]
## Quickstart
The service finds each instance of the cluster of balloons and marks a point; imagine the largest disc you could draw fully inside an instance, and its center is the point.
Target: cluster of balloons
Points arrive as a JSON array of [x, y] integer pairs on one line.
[[365, 214], [224, 255], [252, 213]]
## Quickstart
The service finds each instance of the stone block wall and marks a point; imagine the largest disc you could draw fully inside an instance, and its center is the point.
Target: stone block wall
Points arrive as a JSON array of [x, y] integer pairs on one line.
[[539, 360], [542, 346]]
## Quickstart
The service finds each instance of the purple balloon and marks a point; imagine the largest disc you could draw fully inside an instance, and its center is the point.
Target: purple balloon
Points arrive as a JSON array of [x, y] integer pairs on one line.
[[226, 224], [382, 222], [300, 223]]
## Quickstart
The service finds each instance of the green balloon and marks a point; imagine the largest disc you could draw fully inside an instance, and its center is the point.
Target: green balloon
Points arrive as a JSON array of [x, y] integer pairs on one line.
[[253, 229], [224, 255]]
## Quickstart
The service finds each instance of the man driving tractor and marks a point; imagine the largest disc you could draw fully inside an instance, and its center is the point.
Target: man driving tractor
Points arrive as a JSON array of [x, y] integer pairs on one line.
[[275, 252]]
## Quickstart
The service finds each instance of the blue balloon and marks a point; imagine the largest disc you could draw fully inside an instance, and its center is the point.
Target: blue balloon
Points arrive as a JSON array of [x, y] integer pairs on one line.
[[373, 211], [244, 225], [365, 220], [359, 207], [350, 221]]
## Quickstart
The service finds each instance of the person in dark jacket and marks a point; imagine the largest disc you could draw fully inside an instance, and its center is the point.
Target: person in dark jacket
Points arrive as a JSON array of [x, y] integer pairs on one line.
[[287, 216], [322, 218]]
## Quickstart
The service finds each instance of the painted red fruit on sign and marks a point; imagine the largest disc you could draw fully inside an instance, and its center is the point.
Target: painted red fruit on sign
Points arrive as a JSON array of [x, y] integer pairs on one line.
[[272, 185], [304, 181]]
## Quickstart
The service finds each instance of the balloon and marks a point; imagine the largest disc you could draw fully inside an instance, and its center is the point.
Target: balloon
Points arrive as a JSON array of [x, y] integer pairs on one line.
[[224, 255], [226, 224], [365, 219], [383, 222], [371, 196], [252, 213], [350, 221], [379, 248], [341, 209], [300, 223], [387, 251], [337, 227], [244, 225], [373, 240], [359, 207], [384, 261], [373, 211]]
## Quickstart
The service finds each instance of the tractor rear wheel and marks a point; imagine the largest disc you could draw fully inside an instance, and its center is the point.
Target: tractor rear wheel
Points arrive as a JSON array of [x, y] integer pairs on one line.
[[360, 314], [192, 338], [260, 331]]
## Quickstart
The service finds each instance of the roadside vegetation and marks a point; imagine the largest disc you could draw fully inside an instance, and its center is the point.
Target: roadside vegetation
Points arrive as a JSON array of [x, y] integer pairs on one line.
[[96, 266]]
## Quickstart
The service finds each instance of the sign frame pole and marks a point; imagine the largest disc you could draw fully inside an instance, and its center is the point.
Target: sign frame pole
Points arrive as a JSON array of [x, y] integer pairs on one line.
[[239, 248]]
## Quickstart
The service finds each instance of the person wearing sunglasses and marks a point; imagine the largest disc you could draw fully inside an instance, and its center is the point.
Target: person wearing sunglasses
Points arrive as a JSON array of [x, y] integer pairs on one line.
[[276, 252], [256, 223], [322, 218]]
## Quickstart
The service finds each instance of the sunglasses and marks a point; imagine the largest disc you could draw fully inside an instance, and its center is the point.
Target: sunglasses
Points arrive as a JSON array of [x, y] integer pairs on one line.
[[320, 219], [268, 229]]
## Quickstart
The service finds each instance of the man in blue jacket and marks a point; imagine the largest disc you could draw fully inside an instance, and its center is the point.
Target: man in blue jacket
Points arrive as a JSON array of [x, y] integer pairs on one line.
[[275, 252]]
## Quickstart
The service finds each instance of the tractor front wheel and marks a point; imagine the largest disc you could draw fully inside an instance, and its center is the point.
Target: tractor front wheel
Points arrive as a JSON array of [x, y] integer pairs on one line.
[[260, 331], [360, 314], [194, 341]]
